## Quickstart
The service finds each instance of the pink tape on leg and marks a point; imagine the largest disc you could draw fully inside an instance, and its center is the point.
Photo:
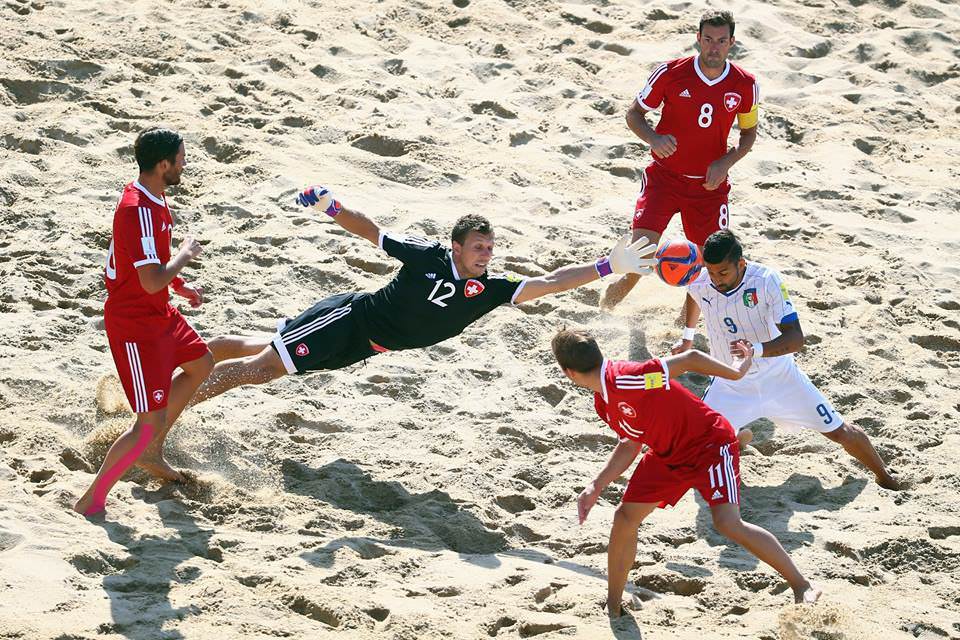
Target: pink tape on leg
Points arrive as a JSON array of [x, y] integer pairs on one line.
[[114, 473]]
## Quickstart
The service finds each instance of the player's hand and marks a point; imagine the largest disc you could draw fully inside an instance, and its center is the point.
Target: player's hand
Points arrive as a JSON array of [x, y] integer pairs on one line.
[[320, 198], [192, 293], [680, 346], [628, 257], [716, 174], [663, 146], [742, 352], [190, 248], [587, 498]]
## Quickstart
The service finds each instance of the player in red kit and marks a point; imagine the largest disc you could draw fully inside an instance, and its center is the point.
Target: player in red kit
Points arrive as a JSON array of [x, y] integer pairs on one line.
[[689, 445], [701, 96], [148, 337]]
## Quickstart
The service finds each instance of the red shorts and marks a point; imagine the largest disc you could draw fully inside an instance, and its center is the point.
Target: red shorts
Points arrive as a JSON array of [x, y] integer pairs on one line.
[[146, 365], [663, 193], [716, 476]]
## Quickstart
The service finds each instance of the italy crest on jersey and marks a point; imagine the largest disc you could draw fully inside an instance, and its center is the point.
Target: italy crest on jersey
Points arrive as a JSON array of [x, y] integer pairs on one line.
[[750, 298]]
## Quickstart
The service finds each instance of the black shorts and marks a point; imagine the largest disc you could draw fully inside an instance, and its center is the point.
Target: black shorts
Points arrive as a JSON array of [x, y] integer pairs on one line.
[[325, 336]]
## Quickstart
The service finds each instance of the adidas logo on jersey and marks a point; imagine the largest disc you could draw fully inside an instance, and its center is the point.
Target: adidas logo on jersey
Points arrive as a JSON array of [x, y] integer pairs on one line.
[[716, 495], [684, 94], [432, 276]]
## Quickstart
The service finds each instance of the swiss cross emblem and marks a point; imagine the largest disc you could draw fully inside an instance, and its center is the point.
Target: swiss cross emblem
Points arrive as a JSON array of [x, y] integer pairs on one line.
[[302, 350], [473, 288], [158, 396], [627, 410], [731, 101]]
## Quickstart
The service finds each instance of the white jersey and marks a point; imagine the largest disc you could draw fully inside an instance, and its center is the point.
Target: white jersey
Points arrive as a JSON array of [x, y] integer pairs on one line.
[[752, 311]]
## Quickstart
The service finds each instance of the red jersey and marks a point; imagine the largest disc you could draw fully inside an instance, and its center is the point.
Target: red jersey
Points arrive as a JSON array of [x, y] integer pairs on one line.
[[697, 111], [142, 226], [640, 403]]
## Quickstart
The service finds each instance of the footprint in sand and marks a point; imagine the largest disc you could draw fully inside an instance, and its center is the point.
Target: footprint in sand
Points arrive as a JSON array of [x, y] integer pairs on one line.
[[377, 613], [491, 108], [515, 503], [591, 25], [27, 92], [499, 625], [313, 610], [382, 145]]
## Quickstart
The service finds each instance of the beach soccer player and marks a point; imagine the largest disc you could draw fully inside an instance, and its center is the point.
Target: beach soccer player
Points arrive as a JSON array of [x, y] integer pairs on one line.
[[701, 96], [438, 292], [148, 337], [745, 301], [688, 445]]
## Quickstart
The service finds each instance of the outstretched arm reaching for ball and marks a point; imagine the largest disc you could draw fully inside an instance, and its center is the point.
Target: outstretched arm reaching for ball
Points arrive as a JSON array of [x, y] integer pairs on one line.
[[353, 221], [624, 258]]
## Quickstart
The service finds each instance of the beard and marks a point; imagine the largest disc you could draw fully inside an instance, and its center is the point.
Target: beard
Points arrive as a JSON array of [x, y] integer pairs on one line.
[[713, 62], [172, 178]]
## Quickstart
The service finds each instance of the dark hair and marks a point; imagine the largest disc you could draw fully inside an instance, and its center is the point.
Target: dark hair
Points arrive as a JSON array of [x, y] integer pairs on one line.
[[576, 350], [717, 19], [468, 223], [722, 246], [154, 145]]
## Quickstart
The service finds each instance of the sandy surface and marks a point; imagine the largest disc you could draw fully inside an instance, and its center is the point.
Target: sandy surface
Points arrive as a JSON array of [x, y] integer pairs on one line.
[[431, 494]]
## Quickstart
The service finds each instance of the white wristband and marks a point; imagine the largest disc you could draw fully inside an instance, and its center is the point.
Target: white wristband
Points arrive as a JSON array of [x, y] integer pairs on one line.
[[689, 333], [758, 350]]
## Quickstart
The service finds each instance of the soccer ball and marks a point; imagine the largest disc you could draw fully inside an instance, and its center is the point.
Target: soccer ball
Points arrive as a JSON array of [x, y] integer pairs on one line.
[[678, 262]]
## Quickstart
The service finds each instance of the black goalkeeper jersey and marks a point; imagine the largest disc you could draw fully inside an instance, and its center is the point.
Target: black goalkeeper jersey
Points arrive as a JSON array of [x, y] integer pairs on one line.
[[428, 302]]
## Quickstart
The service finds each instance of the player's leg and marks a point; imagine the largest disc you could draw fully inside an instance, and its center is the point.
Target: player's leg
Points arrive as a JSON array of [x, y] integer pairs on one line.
[[178, 346], [652, 213], [185, 382], [318, 338], [231, 347], [720, 487], [800, 404], [121, 456], [703, 212], [856, 442], [738, 401], [652, 484], [762, 544], [622, 549], [229, 374]]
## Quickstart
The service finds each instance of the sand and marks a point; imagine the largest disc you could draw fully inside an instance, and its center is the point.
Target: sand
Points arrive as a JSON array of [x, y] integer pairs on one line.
[[431, 494]]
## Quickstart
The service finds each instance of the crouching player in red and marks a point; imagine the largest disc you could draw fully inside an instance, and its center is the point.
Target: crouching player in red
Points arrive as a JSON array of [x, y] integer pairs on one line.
[[148, 337], [690, 445]]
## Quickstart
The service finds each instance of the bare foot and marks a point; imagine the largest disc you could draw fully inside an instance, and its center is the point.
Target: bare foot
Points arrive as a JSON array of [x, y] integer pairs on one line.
[[807, 594], [84, 504], [157, 467], [615, 611], [745, 437], [890, 482]]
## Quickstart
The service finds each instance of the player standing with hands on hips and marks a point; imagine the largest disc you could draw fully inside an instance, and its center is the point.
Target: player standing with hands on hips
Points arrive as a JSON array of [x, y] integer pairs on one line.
[[746, 303], [148, 337], [701, 96]]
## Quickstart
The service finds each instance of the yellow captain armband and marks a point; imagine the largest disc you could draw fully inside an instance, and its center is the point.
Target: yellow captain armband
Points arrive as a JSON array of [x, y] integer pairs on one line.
[[748, 120], [653, 380]]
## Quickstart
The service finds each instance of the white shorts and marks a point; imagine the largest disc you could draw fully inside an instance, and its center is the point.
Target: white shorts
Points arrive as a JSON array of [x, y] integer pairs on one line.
[[782, 394]]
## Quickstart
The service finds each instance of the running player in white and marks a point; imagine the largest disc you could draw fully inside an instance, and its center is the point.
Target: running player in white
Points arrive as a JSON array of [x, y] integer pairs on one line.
[[747, 302]]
